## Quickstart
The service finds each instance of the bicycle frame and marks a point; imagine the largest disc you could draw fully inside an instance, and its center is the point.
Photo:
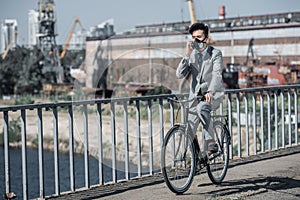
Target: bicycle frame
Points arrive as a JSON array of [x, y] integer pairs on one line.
[[185, 109]]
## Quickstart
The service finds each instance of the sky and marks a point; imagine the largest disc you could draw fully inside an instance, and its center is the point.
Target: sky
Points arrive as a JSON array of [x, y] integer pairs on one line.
[[127, 14]]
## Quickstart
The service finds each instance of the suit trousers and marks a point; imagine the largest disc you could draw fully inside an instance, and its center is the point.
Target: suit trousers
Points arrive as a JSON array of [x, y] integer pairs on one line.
[[200, 111]]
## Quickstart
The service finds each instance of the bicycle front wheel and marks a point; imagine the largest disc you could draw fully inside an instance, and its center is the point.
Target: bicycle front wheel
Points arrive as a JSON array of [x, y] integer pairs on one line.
[[218, 162], [178, 160]]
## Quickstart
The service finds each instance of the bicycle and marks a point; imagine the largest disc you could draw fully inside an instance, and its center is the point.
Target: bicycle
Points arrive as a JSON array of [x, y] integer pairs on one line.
[[180, 160]]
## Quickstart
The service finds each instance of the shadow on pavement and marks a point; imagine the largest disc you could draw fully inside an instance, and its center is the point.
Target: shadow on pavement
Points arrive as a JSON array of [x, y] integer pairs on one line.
[[254, 186]]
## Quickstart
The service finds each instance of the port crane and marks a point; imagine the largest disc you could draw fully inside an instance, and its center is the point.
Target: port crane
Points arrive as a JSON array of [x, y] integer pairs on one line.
[[77, 21], [192, 11], [9, 46]]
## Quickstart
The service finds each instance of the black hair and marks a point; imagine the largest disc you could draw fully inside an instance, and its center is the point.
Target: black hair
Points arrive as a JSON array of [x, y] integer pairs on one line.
[[199, 26]]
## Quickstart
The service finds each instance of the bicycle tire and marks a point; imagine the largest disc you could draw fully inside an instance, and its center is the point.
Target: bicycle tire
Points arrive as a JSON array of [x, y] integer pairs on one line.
[[178, 160], [218, 162]]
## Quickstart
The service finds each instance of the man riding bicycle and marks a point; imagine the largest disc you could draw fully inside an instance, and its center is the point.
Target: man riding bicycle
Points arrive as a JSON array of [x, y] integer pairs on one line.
[[204, 64]]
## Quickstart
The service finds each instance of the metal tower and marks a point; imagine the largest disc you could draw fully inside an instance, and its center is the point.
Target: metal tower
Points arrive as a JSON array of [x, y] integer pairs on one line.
[[47, 42]]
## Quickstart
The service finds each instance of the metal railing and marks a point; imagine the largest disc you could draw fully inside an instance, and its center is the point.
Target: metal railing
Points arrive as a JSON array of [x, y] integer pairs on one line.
[[126, 134], [263, 119]]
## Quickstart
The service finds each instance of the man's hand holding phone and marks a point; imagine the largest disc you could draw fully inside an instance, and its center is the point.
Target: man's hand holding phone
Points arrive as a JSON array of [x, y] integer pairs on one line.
[[189, 48]]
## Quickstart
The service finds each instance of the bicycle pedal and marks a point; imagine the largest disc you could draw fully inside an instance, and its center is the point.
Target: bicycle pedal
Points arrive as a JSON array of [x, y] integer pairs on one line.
[[214, 155]]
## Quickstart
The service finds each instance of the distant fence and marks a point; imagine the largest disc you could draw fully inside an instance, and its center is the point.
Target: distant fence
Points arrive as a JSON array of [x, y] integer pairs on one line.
[[132, 130]]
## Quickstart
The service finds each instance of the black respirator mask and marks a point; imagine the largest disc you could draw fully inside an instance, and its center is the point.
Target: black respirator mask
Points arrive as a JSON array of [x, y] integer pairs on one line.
[[198, 44]]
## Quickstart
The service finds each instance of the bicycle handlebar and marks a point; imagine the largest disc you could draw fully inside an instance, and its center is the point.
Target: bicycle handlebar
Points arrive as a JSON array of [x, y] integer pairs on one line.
[[201, 98]]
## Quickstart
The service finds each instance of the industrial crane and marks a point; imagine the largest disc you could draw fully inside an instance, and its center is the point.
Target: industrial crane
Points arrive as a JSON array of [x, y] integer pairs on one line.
[[70, 36], [192, 11], [9, 46]]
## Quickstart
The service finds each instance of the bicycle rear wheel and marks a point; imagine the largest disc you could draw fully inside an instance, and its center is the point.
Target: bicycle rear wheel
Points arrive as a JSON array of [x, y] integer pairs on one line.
[[178, 160], [218, 162]]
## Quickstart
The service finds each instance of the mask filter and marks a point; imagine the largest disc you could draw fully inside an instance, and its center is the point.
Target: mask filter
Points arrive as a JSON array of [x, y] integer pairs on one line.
[[197, 44], [201, 45]]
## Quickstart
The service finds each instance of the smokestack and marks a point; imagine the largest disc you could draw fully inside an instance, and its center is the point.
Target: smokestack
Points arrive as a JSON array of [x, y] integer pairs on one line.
[[222, 12]]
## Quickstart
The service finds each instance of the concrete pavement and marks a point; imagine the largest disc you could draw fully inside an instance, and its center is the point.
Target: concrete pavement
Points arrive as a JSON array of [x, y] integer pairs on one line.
[[274, 175]]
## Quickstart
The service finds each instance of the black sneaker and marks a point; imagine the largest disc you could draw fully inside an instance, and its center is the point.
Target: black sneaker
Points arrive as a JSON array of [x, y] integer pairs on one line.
[[212, 148]]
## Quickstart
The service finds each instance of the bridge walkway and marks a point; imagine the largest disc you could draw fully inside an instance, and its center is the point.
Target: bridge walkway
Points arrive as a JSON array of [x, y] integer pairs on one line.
[[273, 175]]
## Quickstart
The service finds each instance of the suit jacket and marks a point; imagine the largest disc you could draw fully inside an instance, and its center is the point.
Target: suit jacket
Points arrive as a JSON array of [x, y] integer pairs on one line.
[[206, 73]]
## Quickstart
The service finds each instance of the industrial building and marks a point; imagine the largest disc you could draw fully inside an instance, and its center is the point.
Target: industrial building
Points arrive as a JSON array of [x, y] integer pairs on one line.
[[9, 32], [150, 54]]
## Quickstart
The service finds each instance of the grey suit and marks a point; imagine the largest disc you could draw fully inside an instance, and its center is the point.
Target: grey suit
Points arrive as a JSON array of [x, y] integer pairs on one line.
[[206, 76]]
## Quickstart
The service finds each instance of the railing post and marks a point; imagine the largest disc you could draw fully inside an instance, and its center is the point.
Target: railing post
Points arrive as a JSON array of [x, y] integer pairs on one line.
[[290, 117], [230, 123], [183, 113], [161, 121], [254, 123], [41, 152], [276, 117], [269, 121], [247, 123], [100, 146], [138, 138], [296, 114], [238, 124], [149, 109], [56, 160], [126, 141], [71, 148], [86, 146], [262, 139], [172, 120], [113, 142], [24, 154], [6, 152], [282, 118]]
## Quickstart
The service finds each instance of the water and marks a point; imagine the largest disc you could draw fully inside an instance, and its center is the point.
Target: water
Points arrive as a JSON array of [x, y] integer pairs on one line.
[[49, 180]]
